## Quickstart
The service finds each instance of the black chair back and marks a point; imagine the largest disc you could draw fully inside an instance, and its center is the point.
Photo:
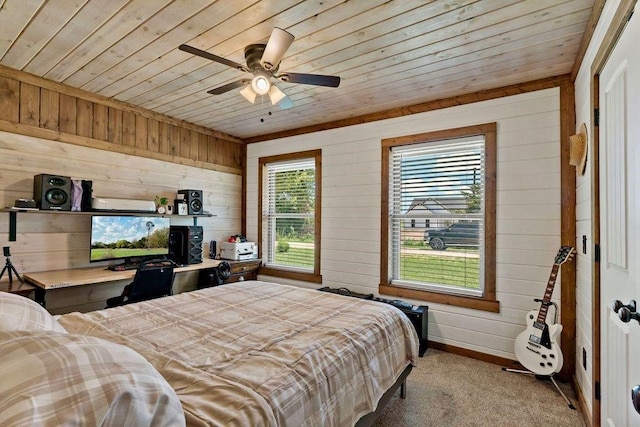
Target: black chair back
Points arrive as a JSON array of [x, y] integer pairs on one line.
[[153, 279]]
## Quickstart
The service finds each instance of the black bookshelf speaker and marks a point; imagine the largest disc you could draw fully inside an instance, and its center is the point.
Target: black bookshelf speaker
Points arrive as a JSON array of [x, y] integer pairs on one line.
[[52, 192], [193, 199], [185, 244]]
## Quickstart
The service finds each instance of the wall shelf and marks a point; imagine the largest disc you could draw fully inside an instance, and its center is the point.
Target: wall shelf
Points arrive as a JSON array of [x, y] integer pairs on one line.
[[13, 216]]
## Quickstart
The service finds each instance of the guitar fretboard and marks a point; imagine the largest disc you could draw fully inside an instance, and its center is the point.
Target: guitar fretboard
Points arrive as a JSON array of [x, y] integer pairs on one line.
[[544, 307]]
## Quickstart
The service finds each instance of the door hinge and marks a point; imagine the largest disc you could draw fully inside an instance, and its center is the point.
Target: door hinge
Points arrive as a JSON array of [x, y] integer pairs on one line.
[[597, 390], [596, 253], [596, 117]]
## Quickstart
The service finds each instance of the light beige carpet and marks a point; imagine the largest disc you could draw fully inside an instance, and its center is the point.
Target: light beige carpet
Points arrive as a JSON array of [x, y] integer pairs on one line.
[[450, 390]]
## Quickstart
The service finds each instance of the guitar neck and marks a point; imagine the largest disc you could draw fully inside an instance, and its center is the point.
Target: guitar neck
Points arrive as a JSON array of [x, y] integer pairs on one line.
[[546, 301]]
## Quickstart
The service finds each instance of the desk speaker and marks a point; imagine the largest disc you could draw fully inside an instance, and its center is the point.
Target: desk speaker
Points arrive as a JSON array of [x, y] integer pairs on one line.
[[185, 244], [193, 199], [52, 192]]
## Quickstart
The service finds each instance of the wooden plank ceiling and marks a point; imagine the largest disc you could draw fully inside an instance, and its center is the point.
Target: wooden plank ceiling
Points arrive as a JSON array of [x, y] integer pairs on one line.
[[389, 53]]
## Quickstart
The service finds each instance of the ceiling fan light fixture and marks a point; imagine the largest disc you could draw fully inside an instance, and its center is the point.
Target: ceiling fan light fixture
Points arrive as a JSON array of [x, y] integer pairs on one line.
[[275, 94], [260, 84], [249, 94]]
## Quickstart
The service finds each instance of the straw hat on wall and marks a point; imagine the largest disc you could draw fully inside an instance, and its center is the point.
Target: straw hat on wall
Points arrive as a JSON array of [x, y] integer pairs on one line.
[[578, 156]]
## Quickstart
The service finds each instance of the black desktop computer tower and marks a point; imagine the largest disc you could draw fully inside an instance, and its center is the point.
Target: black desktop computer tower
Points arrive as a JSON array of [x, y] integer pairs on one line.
[[185, 244]]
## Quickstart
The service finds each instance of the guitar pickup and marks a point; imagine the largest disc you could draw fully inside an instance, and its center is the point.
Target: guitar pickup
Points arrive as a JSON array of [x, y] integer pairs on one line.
[[535, 351], [534, 340], [539, 325]]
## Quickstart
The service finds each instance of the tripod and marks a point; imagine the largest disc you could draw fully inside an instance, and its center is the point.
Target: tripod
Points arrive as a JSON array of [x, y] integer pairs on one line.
[[542, 377], [9, 268]]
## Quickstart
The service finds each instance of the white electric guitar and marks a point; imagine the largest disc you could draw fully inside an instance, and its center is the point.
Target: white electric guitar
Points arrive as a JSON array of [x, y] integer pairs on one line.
[[537, 348]]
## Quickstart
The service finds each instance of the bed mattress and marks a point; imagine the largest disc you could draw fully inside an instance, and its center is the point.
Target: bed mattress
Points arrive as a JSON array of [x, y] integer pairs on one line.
[[255, 353]]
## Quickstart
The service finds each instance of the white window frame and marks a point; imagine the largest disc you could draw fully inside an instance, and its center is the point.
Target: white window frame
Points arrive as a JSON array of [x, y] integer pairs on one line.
[[267, 215], [398, 187]]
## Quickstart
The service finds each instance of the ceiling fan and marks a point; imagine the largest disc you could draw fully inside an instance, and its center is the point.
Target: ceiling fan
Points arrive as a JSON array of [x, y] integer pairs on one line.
[[263, 61]]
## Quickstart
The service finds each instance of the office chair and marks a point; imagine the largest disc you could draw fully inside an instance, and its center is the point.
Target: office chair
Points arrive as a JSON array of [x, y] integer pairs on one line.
[[153, 279]]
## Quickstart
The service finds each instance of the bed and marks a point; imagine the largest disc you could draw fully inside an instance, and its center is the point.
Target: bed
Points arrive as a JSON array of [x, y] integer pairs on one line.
[[249, 354]]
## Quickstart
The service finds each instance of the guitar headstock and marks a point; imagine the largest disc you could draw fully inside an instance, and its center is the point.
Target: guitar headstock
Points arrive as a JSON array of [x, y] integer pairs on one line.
[[564, 254]]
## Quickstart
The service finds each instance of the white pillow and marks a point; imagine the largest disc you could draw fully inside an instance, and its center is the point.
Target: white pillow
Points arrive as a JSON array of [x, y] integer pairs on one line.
[[51, 378], [18, 313]]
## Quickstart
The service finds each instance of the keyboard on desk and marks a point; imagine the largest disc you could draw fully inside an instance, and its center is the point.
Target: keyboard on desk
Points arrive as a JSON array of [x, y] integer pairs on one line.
[[123, 267]]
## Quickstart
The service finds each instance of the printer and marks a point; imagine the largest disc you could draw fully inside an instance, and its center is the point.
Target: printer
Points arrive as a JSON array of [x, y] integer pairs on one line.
[[239, 251]]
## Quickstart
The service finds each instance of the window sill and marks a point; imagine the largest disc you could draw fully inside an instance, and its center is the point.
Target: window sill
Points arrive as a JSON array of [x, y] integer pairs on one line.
[[289, 274], [457, 300]]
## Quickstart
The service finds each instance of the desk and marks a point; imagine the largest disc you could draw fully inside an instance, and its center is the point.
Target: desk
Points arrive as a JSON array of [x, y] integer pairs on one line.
[[23, 289], [56, 279]]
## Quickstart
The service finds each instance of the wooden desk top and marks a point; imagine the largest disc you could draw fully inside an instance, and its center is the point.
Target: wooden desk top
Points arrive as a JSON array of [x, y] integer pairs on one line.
[[86, 276], [16, 287]]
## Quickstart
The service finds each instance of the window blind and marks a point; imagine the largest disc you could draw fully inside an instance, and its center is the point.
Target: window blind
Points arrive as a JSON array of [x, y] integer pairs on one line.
[[436, 215], [290, 214]]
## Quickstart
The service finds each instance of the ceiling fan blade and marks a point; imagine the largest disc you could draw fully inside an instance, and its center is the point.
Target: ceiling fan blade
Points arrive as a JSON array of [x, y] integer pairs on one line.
[[278, 43], [310, 79], [229, 86], [210, 56]]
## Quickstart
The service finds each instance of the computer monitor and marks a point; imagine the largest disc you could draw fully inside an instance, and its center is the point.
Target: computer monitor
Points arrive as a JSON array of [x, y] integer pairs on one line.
[[130, 238]]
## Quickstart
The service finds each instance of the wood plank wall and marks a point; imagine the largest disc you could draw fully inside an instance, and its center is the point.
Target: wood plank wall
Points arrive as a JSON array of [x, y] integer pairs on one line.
[[38, 107], [529, 210], [128, 153], [53, 241]]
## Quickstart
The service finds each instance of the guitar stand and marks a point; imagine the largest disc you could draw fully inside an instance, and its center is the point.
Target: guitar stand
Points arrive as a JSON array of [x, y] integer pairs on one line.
[[543, 377], [543, 339]]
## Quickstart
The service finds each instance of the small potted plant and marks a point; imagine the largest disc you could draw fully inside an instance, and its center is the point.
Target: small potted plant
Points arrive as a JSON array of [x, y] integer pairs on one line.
[[161, 204]]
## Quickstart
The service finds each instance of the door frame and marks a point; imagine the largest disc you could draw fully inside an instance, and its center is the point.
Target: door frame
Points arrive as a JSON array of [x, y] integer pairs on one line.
[[609, 42]]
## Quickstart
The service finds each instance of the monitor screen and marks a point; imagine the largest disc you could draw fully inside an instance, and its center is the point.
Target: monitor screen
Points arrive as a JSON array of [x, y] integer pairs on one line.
[[128, 237]]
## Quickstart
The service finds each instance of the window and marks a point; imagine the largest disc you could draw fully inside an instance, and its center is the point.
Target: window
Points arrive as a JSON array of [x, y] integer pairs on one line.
[[289, 206], [445, 181]]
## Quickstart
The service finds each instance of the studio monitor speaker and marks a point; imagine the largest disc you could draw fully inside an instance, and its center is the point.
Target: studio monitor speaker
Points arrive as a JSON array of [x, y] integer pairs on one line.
[[193, 199], [52, 192], [185, 244]]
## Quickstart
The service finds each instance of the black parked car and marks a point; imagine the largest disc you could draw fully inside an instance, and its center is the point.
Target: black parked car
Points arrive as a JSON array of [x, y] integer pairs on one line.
[[457, 234]]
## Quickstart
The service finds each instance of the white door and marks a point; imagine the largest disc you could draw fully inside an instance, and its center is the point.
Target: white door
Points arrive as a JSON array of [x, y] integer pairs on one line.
[[620, 226]]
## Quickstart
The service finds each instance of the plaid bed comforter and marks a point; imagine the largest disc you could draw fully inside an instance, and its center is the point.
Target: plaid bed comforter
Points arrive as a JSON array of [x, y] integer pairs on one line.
[[262, 354]]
